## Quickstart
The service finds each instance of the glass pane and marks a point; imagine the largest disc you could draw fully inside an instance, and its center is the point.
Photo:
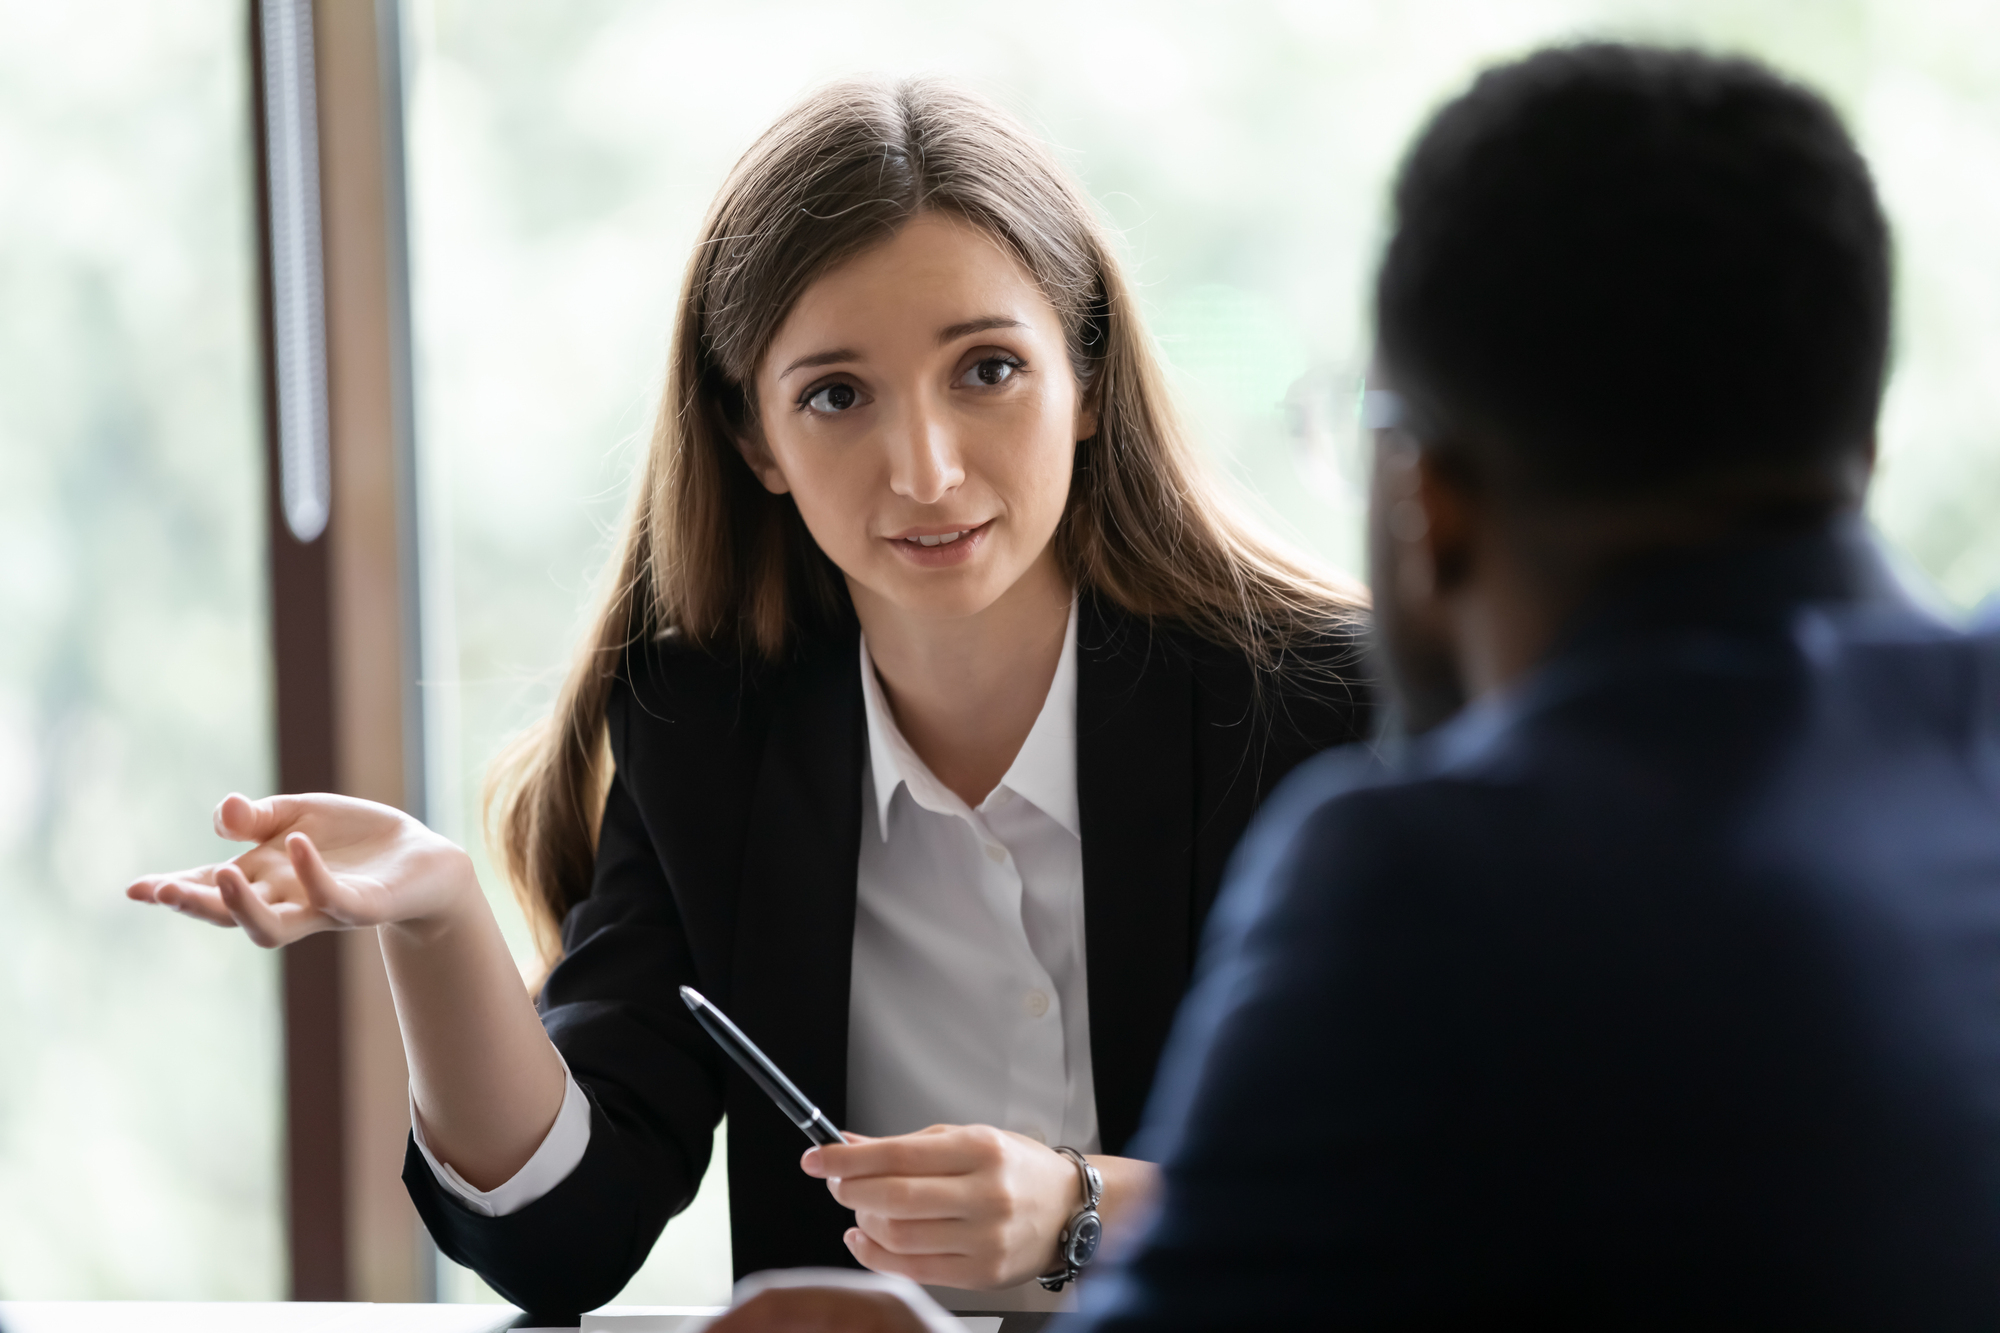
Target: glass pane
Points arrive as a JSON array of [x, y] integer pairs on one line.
[[139, 1057], [562, 157]]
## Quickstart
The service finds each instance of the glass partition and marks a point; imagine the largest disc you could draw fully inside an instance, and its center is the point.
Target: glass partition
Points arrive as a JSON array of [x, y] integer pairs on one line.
[[139, 1054], [561, 158]]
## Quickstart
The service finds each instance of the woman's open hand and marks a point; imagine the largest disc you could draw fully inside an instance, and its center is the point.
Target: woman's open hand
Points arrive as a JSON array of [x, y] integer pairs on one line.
[[965, 1206], [321, 863]]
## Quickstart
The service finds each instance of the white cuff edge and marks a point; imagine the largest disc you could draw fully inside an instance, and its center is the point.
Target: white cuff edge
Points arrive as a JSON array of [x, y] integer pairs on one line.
[[562, 1148]]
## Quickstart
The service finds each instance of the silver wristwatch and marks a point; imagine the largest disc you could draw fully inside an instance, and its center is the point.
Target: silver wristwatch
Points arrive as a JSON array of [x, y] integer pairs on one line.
[[1077, 1245]]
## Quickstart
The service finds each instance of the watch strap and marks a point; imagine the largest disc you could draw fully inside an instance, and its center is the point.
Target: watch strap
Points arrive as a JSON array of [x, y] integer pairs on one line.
[[1093, 1190]]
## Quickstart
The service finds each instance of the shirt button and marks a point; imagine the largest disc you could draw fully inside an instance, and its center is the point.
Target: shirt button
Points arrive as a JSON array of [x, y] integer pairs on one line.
[[1036, 1003], [1002, 796], [995, 854]]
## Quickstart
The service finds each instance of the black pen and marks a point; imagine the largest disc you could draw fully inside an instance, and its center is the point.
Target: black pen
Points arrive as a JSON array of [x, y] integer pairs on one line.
[[760, 1069]]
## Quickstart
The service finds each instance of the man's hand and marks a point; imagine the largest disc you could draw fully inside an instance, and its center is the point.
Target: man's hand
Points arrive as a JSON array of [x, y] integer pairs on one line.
[[820, 1310]]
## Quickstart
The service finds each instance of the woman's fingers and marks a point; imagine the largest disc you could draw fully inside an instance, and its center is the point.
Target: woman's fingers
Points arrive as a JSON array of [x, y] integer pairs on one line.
[[913, 1236], [188, 897], [905, 1196], [268, 925], [942, 1270], [390, 868], [820, 1168], [146, 888], [942, 1150], [322, 889], [243, 820], [966, 1205]]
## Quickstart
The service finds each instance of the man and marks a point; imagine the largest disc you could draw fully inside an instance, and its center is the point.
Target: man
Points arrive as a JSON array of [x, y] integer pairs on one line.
[[1657, 980], [1652, 976]]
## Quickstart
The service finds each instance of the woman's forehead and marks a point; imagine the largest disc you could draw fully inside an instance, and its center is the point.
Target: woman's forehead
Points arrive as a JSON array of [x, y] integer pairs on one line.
[[937, 279]]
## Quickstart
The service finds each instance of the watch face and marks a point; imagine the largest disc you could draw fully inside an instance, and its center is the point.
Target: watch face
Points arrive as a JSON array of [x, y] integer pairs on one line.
[[1083, 1244]]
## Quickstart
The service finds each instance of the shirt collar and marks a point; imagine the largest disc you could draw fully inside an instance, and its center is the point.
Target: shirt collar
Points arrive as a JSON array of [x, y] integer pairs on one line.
[[1043, 773]]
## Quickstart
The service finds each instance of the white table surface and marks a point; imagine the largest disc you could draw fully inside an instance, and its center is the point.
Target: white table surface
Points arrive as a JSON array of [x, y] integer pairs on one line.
[[338, 1317], [318, 1317]]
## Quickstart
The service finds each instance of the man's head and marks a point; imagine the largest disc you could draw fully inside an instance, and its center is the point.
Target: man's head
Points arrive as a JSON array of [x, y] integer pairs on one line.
[[1634, 297]]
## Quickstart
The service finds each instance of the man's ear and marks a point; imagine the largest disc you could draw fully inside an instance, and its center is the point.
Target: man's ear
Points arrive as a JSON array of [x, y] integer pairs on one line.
[[750, 443], [1442, 495]]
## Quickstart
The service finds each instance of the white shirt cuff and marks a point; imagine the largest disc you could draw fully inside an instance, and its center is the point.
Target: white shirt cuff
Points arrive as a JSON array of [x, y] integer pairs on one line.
[[562, 1148]]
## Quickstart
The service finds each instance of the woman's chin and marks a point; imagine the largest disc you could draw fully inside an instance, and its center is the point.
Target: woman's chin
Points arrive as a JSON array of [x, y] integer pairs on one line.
[[950, 593]]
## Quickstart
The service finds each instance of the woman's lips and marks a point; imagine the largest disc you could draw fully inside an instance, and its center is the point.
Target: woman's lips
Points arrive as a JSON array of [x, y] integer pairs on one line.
[[932, 550]]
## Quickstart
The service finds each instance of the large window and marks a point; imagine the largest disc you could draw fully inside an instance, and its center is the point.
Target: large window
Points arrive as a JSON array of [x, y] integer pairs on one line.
[[562, 155], [139, 1074]]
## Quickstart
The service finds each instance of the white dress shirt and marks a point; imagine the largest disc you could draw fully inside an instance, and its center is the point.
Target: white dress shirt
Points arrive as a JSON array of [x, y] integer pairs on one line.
[[969, 1002]]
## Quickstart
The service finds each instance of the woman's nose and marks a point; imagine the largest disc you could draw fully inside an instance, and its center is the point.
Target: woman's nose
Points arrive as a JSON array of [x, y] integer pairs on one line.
[[924, 464]]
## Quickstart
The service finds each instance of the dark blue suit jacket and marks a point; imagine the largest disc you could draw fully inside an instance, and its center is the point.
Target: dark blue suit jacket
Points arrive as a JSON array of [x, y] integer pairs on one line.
[[1665, 990]]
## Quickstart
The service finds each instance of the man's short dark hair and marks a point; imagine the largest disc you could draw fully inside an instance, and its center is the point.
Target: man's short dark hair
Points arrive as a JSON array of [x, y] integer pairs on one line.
[[1634, 267]]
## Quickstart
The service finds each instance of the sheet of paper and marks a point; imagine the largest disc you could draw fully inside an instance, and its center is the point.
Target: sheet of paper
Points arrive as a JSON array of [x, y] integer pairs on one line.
[[249, 1317]]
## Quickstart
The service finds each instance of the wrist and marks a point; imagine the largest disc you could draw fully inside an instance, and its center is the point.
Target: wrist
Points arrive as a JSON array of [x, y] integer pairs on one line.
[[454, 903]]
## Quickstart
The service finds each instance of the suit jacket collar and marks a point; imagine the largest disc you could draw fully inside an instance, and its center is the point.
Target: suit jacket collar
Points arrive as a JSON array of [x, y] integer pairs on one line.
[[1730, 603], [1754, 584]]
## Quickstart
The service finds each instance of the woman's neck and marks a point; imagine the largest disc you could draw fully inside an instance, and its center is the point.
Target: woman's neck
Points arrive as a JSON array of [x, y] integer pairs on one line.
[[966, 691]]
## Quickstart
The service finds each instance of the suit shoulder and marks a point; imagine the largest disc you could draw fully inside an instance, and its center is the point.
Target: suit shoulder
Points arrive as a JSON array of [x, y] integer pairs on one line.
[[666, 683], [669, 677], [671, 698], [1317, 694], [1903, 671]]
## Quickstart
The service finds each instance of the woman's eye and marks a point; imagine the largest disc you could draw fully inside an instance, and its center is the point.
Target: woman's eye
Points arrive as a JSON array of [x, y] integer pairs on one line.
[[832, 398], [990, 372]]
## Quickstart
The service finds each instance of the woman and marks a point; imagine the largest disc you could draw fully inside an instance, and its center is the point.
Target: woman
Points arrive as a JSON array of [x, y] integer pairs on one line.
[[932, 691]]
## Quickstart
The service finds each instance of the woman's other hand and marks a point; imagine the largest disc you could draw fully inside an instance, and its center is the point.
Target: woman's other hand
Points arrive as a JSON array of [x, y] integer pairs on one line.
[[966, 1206], [321, 863]]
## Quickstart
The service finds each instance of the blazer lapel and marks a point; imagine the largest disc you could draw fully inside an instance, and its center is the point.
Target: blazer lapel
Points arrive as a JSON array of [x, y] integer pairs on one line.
[[794, 949], [1135, 794], [795, 914]]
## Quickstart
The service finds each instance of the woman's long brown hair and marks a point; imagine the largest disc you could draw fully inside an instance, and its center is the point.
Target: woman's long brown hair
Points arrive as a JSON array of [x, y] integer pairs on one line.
[[711, 555]]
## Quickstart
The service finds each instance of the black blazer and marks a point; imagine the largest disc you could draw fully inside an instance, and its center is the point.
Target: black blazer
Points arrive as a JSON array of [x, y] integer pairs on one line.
[[727, 861]]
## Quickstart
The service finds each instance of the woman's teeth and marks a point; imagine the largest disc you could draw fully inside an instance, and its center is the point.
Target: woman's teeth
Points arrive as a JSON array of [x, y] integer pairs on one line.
[[944, 539]]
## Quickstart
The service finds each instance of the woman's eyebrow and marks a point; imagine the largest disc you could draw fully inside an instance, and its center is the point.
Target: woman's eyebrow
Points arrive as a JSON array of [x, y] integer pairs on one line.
[[953, 332], [950, 333], [833, 357]]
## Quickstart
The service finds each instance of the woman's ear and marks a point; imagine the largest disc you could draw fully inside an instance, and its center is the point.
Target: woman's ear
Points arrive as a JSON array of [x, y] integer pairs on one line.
[[1086, 415], [750, 442]]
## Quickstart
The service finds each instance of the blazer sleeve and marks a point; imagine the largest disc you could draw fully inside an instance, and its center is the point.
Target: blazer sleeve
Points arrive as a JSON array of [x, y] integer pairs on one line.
[[654, 1083]]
